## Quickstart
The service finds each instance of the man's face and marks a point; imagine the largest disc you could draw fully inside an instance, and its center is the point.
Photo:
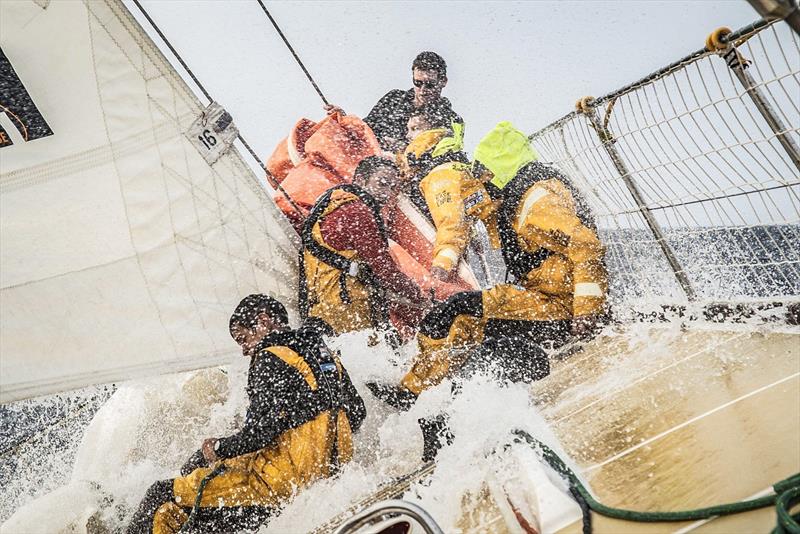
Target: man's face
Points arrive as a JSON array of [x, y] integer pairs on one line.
[[249, 338], [427, 86], [382, 185]]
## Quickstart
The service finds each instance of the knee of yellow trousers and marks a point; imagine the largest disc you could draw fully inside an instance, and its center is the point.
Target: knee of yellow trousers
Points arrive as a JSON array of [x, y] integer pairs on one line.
[[169, 518], [413, 382], [427, 346], [509, 302], [185, 488]]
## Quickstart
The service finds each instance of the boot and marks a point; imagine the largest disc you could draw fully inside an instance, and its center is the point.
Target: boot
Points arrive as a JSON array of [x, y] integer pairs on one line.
[[433, 430]]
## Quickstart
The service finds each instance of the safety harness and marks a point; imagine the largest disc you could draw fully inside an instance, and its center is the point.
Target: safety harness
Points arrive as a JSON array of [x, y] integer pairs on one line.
[[379, 310], [518, 261], [329, 396], [311, 347]]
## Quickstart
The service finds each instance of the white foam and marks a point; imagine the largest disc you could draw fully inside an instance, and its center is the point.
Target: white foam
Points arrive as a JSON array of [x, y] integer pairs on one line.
[[148, 428]]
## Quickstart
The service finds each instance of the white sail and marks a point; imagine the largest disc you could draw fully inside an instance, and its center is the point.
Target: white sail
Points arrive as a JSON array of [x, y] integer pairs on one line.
[[123, 251]]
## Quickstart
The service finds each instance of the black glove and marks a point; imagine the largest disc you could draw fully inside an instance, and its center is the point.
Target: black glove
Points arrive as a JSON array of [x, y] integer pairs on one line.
[[434, 431], [395, 396]]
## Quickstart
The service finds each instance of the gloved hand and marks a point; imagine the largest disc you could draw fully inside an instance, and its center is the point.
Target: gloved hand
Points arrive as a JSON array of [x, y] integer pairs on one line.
[[397, 397], [440, 274]]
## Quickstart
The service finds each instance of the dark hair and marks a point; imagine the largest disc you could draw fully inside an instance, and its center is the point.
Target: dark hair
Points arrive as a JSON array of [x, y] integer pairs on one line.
[[369, 166], [247, 312], [430, 61]]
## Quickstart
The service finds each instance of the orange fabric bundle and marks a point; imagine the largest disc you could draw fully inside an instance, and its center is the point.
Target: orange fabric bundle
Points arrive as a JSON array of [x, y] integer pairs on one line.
[[315, 157]]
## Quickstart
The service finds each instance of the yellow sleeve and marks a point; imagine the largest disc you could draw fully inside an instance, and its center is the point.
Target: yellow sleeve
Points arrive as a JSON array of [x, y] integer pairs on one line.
[[546, 217], [442, 192]]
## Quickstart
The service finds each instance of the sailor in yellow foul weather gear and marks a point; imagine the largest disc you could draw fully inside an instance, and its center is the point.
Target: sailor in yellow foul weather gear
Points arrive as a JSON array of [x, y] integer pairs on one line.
[[346, 267], [298, 429], [553, 257], [440, 183]]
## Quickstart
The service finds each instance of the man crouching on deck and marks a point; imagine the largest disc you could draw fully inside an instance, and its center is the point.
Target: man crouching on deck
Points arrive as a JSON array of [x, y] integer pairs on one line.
[[303, 410]]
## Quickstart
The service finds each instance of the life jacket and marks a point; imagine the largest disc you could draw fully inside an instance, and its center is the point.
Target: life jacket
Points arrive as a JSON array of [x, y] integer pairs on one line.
[[316, 156], [360, 300], [329, 377], [520, 262]]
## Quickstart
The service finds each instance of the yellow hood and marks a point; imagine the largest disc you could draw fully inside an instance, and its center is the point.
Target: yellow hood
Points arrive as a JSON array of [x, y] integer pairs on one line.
[[504, 151]]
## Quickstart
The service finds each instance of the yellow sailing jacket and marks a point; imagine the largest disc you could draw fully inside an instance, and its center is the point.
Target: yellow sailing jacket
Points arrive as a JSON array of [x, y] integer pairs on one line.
[[453, 195], [568, 264]]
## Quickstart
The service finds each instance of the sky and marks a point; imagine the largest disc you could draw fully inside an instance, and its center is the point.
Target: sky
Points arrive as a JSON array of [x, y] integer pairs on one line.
[[527, 62]]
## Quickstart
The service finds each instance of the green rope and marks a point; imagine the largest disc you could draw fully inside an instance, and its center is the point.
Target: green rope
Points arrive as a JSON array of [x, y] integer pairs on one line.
[[787, 523], [189, 524], [787, 494]]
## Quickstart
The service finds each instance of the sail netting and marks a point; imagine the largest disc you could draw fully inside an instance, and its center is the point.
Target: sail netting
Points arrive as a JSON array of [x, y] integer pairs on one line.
[[718, 179], [123, 251]]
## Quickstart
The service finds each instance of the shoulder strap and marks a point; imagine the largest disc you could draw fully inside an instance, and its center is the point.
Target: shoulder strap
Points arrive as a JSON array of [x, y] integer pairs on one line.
[[346, 266], [518, 261], [536, 171], [327, 255], [310, 346], [329, 376]]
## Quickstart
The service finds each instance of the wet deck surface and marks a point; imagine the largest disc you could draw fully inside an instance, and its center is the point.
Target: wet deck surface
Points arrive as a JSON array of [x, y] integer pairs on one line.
[[671, 420]]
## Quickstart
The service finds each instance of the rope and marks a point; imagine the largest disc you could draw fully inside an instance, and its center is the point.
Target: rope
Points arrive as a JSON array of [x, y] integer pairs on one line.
[[172, 49], [273, 180], [787, 523], [296, 57], [585, 107], [719, 42], [586, 512], [787, 493], [187, 527], [609, 109]]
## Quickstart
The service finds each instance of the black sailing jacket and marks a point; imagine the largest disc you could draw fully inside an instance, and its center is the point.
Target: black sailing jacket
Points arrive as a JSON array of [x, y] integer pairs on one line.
[[389, 118], [280, 398]]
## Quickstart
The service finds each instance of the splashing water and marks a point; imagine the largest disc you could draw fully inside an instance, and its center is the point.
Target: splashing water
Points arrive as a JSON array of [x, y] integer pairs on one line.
[[147, 429]]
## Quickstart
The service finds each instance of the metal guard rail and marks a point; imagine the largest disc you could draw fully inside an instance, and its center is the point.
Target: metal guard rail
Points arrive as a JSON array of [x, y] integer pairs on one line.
[[392, 506], [741, 33]]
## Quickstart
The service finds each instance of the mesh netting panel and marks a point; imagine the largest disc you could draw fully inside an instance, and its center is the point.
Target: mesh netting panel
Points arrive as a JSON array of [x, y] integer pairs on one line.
[[710, 169]]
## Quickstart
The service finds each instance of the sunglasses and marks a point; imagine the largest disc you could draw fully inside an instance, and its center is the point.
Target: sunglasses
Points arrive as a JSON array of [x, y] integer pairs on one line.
[[426, 84]]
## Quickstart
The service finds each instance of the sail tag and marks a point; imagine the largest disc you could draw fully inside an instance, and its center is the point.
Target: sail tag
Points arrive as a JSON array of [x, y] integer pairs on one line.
[[213, 132]]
